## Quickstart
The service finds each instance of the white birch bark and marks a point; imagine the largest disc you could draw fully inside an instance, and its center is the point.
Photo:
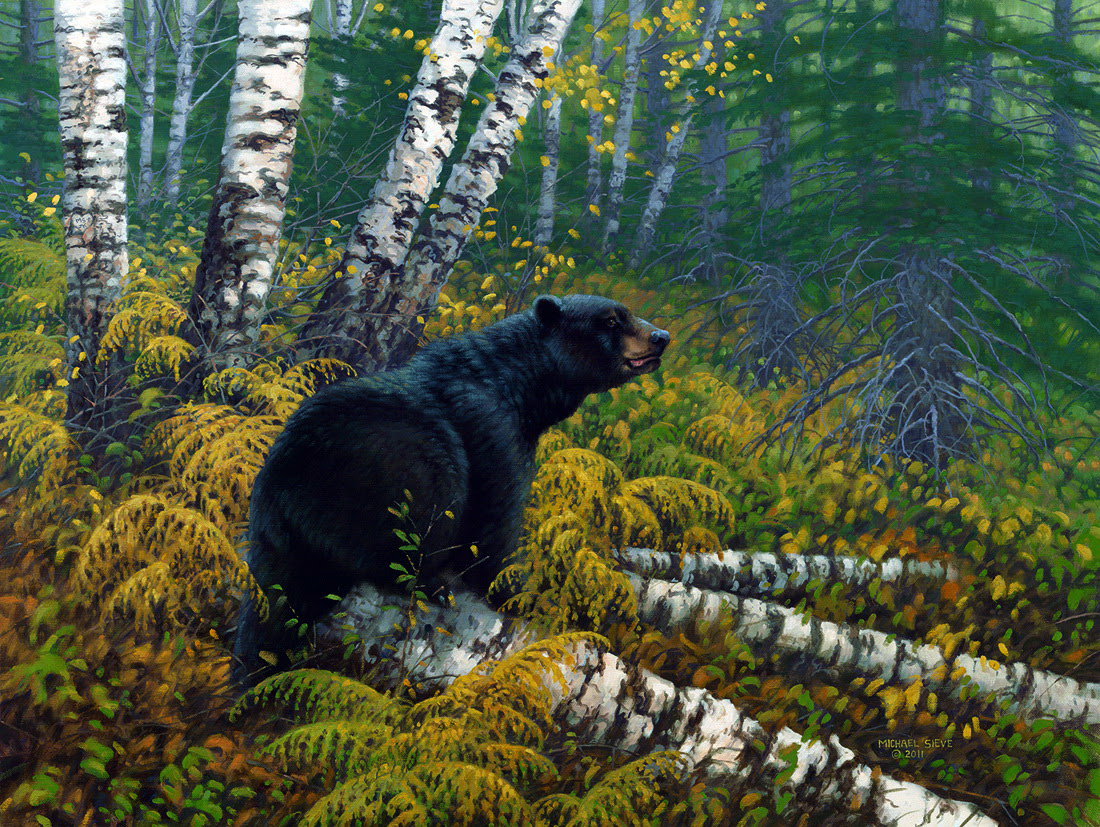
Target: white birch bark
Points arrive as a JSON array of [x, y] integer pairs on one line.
[[595, 119], [611, 703], [624, 126], [475, 177], [666, 171], [188, 16], [1016, 687], [342, 32], [148, 104], [659, 193], [743, 572], [91, 62], [544, 225], [241, 246], [385, 330], [384, 229]]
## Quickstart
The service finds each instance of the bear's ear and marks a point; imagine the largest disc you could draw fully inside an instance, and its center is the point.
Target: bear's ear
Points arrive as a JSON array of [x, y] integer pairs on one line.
[[548, 310]]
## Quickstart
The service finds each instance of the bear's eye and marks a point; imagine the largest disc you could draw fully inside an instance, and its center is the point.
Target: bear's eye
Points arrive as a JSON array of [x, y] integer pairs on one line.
[[611, 322]]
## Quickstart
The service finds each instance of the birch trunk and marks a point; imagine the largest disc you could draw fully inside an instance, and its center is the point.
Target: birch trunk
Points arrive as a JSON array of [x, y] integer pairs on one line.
[[91, 62], [341, 33], [742, 572], [544, 226], [384, 229], [181, 104], [613, 704], [148, 105], [238, 256], [624, 126], [674, 146], [594, 190], [849, 650], [398, 304]]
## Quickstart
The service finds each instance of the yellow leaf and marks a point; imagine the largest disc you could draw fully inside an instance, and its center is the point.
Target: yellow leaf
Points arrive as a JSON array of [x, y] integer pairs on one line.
[[998, 587], [31, 197], [544, 160], [594, 209]]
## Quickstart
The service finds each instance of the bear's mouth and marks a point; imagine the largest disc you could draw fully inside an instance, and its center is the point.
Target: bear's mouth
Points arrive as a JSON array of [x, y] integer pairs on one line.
[[644, 364]]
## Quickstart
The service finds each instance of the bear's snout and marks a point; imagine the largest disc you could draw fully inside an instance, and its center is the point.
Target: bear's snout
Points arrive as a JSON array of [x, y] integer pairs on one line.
[[660, 339]]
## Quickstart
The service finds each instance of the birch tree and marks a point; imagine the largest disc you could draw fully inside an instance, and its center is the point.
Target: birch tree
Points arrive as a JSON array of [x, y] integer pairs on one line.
[[624, 125], [617, 705], [188, 16], [595, 119], [472, 182], [544, 225], [341, 31], [384, 229], [674, 146], [385, 327], [148, 103], [234, 274], [91, 62]]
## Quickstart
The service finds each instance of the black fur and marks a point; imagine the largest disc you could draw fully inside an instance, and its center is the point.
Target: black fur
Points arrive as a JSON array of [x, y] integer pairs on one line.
[[456, 428]]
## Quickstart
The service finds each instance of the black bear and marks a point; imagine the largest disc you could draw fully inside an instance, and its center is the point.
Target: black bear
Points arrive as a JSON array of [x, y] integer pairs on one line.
[[452, 434]]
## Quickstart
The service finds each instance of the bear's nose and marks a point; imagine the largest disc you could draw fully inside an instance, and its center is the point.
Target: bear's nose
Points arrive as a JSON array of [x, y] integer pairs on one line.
[[660, 338]]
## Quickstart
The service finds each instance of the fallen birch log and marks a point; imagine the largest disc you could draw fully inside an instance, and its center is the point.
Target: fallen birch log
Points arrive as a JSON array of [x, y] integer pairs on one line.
[[744, 572], [619, 705], [1030, 693]]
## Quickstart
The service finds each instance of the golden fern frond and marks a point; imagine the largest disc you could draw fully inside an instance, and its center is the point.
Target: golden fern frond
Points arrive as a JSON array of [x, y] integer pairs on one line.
[[147, 595], [596, 465], [566, 487], [29, 262], [29, 361], [713, 436], [358, 801], [175, 440], [140, 317], [35, 448], [550, 443], [161, 356], [633, 523], [196, 559], [629, 795], [680, 503], [439, 794], [315, 695], [345, 747]]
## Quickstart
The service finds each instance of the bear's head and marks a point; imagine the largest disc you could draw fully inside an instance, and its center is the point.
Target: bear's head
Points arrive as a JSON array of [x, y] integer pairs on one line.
[[597, 343]]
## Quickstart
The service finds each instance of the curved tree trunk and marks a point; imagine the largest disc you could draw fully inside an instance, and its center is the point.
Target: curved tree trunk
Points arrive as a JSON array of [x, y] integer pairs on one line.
[[91, 62], [666, 171], [624, 126], [148, 104], [238, 256], [181, 104], [394, 307], [472, 183], [544, 227], [384, 230], [594, 189]]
